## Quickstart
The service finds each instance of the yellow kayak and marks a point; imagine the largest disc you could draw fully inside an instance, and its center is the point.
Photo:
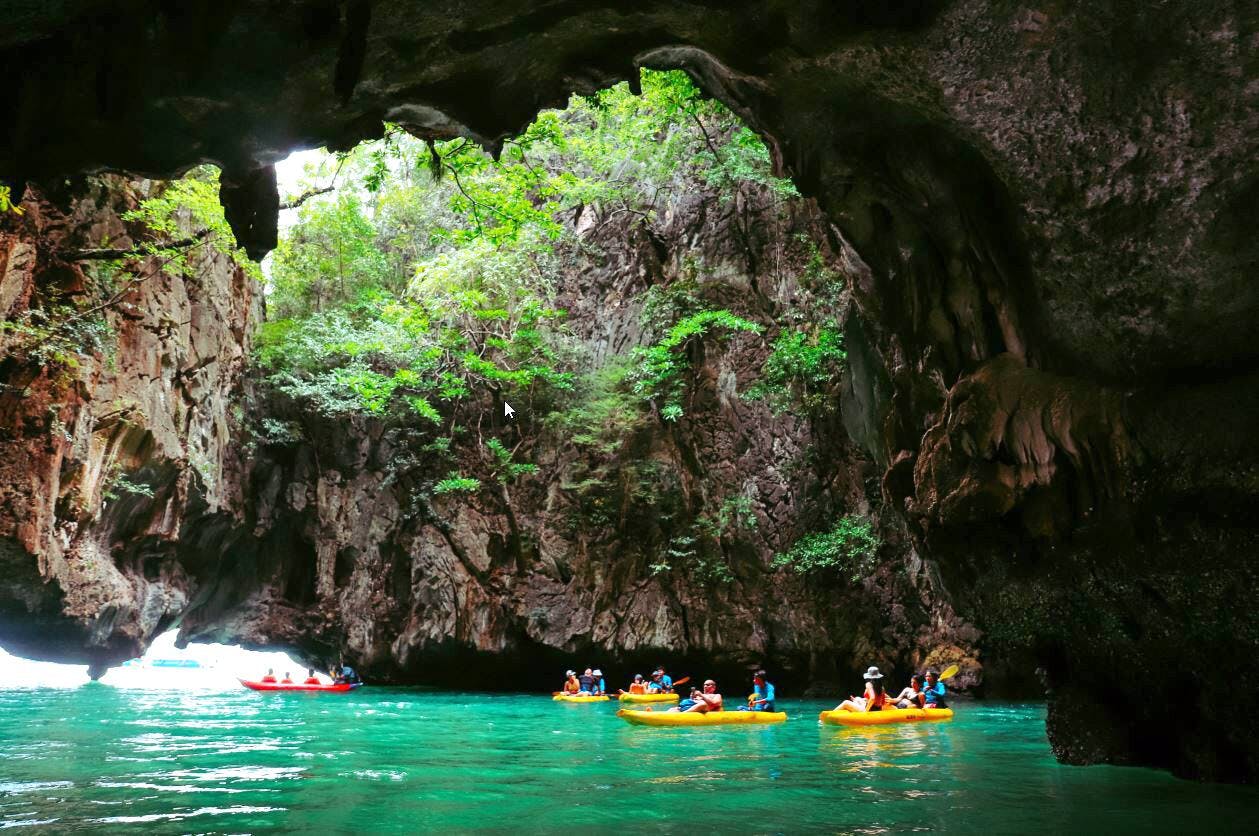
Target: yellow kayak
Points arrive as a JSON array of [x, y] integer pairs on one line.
[[567, 698], [695, 718], [884, 717], [648, 698]]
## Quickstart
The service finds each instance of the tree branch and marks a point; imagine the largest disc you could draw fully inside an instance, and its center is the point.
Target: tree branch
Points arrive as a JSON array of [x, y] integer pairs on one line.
[[110, 253], [305, 196]]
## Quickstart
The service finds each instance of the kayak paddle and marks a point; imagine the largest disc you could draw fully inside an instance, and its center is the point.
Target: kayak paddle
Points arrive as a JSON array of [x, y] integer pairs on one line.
[[949, 673]]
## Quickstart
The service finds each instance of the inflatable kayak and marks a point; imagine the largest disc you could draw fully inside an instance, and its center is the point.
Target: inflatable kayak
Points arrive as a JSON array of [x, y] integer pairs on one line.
[[338, 688], [567, 698], [884, 717], [648, 698], [695, 718]]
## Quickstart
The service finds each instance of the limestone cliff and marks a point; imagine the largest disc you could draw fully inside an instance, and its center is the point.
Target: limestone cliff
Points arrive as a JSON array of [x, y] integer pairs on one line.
[[1051, 204], [109, 444]]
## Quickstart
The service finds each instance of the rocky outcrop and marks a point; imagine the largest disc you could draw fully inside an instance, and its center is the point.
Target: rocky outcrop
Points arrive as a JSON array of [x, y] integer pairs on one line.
[[1051, 340], [114, 425], [616, 551]]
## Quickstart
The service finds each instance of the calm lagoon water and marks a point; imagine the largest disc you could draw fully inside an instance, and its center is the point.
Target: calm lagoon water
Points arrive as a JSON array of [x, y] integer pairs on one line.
[[397, 760]]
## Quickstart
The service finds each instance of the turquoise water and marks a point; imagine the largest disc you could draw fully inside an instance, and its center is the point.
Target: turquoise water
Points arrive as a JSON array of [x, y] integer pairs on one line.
[[380, 759]]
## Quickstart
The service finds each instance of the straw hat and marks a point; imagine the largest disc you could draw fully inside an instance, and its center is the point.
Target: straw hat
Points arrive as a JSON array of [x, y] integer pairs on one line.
[[873, 673]]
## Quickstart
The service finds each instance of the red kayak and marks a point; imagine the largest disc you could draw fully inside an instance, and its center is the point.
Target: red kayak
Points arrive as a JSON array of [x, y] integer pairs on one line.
[[297, 686]]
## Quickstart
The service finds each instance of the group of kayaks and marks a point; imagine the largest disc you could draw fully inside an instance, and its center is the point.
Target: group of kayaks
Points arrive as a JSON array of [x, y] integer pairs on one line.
[[647, 717]]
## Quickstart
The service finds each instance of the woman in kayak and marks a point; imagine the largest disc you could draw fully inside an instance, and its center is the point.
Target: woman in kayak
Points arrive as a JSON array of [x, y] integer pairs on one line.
[[638, 686], [933, 693], [571, 685], [874, 697], [910, 697]]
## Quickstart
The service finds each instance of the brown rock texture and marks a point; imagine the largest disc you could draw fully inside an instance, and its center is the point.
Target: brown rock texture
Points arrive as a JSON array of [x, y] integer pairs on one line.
[[90, 572], [1063, 187]]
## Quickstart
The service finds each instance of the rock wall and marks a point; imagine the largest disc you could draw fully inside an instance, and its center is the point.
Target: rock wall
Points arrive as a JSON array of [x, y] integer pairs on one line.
[[107, 450], [1051, 200], [347, 552]]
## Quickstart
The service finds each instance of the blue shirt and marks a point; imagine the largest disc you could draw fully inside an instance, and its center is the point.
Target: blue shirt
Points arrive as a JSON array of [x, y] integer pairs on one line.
[[666, 682], [934, 693], [766, 693]]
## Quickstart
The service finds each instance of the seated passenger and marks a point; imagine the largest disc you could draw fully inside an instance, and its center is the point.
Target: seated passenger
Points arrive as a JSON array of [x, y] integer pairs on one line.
[[288, 679], [600, 687], [270, 677], [762, 694], [638, 686], [703, 701], [571, 685], [910, 697], [874, 697], [588, 683], [311, 679], [933, 693]]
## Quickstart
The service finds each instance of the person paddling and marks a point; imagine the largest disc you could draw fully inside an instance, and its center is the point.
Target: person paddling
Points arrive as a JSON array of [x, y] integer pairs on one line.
[[933, 693], [873, 698], [762, 694]]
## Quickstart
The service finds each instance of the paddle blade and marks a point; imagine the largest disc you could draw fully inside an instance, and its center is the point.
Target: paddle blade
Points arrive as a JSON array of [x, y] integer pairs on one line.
[[949, 672], [681, 681]]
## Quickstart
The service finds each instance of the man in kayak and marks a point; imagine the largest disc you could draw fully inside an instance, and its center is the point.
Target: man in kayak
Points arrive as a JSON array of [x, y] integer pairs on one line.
[[270, 677], [600, 685], [571, 685], [347, 675], [762, 694], [933, 693], [588, 683], [311, 679], [703, 701], [288, 679], [661, 683]]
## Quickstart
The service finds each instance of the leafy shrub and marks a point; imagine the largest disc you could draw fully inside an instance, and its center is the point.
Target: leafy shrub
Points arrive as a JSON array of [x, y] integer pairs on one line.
[[454, 483], [658, 376], [849, 548], [801, 366]]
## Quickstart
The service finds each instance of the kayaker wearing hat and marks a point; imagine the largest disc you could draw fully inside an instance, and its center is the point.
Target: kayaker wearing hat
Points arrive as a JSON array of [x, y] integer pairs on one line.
[[600, 687], [638, 686], [660, 682], [872, 699], [571, 685]]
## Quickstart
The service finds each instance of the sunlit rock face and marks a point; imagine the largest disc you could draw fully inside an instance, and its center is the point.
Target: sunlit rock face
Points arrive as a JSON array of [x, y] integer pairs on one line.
[[106, 453], [1051, 206]]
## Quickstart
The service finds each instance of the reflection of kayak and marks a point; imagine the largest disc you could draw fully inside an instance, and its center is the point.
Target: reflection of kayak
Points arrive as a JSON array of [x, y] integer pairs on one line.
[[648, 698], [338, 688], [695, 718], [567, 698], [884, 717]]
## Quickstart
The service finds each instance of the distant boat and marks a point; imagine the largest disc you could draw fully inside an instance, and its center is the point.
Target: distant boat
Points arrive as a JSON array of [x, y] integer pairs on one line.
[[161, 663]]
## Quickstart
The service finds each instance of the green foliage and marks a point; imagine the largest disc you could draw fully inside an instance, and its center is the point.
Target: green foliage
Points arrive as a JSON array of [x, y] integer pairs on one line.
[[849, 548], [119, 485], [802, 364], [504, 469], [658, 376], [602, 412], [455, 483], [6, 202]]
